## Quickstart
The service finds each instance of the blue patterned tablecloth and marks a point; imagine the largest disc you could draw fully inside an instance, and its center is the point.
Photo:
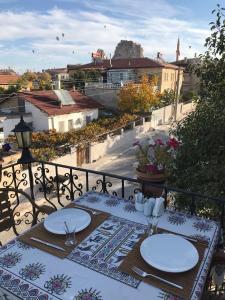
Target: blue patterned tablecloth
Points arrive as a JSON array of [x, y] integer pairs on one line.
[[90, 272]]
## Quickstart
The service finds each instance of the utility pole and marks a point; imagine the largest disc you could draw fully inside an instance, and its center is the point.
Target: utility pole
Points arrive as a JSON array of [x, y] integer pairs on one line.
[[176, 98]]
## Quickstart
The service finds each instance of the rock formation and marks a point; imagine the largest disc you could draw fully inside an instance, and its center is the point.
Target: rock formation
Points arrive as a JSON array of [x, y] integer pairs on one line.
[[128, 49]]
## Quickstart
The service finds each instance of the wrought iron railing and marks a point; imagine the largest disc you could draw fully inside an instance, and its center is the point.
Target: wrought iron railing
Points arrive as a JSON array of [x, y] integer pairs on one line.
[[56, 185]]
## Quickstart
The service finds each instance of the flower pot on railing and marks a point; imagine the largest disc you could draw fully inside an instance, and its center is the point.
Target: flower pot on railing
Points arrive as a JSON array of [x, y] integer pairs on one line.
[[149, 187]]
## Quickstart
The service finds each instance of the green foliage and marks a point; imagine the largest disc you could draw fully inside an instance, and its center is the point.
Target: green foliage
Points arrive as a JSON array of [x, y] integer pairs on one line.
[[140, 97], [166, 98], [11, 89], [200, 161], [60, 142], [44, 79], [190, 95]]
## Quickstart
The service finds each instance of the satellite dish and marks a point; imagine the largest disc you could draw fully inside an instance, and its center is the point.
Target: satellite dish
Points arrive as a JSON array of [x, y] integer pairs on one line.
[[57, 38], [33, 51], [63, 34]]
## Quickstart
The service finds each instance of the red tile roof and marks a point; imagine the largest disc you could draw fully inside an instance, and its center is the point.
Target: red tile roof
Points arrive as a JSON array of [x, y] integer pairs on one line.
[[48, 102], [8, 79], [124, 63]]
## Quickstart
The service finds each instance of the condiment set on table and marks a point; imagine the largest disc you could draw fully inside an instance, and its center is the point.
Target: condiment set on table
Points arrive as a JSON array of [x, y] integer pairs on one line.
[[152, 208]]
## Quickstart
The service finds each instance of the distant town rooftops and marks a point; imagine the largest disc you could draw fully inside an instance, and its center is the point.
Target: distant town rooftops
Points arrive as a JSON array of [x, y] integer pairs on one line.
[[55, 71], [7, 72], [124, 63], [49, 102], [8, 79], [186, 62]]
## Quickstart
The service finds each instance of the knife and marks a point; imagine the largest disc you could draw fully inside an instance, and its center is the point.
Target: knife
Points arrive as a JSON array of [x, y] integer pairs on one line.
[[47, 244]]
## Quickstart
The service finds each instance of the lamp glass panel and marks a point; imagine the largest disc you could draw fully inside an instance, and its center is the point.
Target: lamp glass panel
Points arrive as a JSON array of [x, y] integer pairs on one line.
[[19, 139], [26, 138]]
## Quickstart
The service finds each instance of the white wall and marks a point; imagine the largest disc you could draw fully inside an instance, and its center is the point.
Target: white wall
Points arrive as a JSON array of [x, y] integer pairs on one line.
[[10, 123], [41, 121], [54, 120], [114, 143], [39, 118], [165, 114]]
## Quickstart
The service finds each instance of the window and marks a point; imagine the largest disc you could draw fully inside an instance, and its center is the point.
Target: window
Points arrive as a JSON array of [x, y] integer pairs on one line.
[[121, 76], [70, 124], [78, 122], [61, 126], [88, 119], [166, 76]]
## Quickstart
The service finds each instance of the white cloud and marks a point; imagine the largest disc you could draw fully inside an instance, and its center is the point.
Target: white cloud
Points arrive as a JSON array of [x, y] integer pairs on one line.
[[87, 30]]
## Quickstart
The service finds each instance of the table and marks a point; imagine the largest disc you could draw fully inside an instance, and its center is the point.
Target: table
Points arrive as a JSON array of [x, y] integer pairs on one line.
[[90, 270]]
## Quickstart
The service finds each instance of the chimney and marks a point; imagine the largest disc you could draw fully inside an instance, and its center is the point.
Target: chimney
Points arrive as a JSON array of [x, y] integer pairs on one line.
[[110, 61], [74, 88], [58, 84]]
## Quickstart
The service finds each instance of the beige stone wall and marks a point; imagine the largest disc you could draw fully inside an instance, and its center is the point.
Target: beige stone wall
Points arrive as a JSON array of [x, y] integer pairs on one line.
[[105, 96], [167, 78]]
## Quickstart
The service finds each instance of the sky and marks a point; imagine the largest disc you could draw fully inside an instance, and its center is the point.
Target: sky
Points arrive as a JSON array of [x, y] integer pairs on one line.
[[40, 34]]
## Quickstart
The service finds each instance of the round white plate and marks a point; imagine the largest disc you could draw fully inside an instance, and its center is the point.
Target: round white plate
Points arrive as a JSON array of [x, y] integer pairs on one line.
[[75, 218], [169, 253]]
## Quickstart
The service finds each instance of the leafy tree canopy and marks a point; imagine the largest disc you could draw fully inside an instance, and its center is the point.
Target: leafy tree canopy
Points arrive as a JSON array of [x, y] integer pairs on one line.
[[139, 97], [200, 161]]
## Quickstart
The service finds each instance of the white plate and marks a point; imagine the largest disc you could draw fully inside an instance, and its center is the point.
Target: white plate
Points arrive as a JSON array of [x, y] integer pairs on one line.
[[169, 253], [74, 218]]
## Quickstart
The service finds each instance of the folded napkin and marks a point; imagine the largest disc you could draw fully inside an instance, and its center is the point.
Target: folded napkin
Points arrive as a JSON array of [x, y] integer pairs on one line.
[[159, 207], [149, 206], [139, 197]]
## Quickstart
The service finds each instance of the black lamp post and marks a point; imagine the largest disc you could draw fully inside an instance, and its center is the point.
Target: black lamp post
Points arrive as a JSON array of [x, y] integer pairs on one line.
[[23, 136]]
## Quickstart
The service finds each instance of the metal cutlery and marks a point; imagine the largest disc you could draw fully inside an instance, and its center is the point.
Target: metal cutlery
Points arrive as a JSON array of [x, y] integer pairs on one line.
[[144, 274], [94, 212], [47, 244]]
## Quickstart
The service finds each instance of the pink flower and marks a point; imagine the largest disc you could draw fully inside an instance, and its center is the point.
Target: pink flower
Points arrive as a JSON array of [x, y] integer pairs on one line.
[[159, 142], [173, 143], [152, 169]]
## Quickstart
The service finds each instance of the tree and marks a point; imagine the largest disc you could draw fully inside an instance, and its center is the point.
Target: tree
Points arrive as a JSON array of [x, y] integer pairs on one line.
[[25, 79], [44, 79], [200, 161], [139, 97], [11, 89], [166, 98], [127, 98]]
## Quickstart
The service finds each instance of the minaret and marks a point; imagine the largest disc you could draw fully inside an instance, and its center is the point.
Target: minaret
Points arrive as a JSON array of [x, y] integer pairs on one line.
[[178, 49]]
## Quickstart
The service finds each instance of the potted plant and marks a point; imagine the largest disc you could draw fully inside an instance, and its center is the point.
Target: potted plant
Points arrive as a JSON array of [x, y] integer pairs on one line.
[[154, 158]]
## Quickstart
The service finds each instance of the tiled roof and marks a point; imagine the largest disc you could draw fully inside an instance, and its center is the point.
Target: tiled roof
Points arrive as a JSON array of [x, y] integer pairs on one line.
[[48, 102], [55, 71], [128, 63], [7, 79]]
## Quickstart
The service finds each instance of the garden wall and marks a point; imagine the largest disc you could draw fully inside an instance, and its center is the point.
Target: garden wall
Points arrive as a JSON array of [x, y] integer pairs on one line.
[[114, 143], [165, 114]]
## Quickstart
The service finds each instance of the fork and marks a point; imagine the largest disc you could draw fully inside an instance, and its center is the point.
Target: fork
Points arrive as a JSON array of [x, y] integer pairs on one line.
[[144, 274], [94, 212]]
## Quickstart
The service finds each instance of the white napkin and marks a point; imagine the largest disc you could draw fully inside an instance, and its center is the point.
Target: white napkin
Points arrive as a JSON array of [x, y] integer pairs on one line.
[[149, 205], [159, 207], [139, 197]]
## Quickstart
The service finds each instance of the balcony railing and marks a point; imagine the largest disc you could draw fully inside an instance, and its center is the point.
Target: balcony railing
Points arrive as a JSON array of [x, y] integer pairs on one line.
[[56, 185]]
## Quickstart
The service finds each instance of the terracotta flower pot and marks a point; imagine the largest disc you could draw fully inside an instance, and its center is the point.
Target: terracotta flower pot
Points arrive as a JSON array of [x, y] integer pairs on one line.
[[147, 189]]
